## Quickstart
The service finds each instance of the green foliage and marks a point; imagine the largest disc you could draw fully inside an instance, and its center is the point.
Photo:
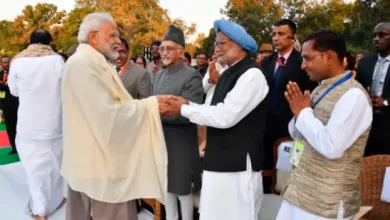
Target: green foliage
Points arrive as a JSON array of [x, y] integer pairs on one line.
[[139, 21], [207, 45], [354, 20], [70, 27], [5, 35], [257, 16], [43, 15], [142, 21]]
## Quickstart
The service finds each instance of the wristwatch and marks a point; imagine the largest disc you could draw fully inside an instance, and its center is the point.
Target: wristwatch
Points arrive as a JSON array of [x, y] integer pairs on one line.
[[385, 103]]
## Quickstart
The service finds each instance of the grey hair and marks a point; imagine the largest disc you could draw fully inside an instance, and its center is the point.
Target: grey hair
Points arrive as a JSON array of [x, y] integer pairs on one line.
[[92, 22]]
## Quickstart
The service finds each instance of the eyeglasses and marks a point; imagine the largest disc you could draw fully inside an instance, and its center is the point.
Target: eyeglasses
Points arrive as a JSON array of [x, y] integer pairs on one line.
[[220, 43], [308, 59], [380, 34], [168, 48]]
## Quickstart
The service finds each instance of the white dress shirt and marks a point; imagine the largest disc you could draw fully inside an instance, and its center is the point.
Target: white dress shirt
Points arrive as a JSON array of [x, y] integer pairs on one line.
[[383, 72], [209, 88], [285, 56], [37, 83], [250, 90]]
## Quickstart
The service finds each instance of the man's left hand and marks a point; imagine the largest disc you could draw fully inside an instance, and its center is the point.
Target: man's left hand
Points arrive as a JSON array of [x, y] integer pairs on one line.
[[377, 101], [296, 99]]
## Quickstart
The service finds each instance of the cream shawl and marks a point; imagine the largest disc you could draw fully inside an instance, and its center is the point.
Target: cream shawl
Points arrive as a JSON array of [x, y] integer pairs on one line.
[[114, 148]]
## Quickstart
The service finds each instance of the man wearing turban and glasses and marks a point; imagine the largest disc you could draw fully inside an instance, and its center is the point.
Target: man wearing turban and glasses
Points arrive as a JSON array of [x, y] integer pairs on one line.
[[232, 182]]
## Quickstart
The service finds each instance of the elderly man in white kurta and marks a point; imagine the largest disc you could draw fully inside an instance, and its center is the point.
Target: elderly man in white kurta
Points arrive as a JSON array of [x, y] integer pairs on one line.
[[114, 149], [232, 182], [35, 77]]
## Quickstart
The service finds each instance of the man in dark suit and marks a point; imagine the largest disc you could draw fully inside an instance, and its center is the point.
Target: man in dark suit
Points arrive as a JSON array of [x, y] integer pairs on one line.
[[281, 67], [136, 79], [374, 74], [10, 104]]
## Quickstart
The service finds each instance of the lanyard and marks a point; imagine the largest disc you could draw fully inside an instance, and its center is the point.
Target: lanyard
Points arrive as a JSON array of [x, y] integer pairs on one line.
[[339, 82]]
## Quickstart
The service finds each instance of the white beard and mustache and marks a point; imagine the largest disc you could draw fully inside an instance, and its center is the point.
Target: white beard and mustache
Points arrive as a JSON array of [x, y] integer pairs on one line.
[[166, 60], [223, 59], [109, 51]]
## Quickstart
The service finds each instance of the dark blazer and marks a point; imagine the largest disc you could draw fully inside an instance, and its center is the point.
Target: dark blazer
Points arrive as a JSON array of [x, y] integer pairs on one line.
[[10, 102], [365, 73], [278, 119], [378, 141], [292, 72], [137, 81]]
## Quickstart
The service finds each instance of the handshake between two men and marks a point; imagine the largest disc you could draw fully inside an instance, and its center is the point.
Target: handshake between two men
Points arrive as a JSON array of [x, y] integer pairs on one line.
[[170, 105]]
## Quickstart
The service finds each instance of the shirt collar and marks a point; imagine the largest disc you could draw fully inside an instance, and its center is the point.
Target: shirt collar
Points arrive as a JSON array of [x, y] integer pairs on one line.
[[176, 68], [387, 58], [286, 56], [335, 78]]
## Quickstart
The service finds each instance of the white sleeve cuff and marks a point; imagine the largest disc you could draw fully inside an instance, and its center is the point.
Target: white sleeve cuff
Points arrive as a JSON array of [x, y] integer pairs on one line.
[[185, 110], [300, 121]]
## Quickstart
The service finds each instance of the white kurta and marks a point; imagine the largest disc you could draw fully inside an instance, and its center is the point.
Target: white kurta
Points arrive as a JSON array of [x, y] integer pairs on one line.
[[235, 195], [350, 118], [37, 83]]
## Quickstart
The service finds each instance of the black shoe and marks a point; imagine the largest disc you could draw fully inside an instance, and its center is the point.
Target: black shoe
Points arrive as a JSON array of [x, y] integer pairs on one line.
[[12, 152]]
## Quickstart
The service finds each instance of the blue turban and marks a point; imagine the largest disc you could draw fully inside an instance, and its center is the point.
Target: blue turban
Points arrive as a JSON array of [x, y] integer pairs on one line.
[[237, 33]]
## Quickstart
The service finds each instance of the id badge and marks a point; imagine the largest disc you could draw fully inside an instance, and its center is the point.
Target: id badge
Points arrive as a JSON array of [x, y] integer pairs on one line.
[[2, 95], [296, 153]]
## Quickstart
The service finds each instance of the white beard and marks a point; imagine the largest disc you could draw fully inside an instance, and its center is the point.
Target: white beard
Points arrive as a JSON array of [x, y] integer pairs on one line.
[[166, 62], [109, 52]]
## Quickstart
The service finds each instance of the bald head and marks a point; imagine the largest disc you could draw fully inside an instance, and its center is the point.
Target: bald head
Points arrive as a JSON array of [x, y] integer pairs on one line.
[[385, 24]]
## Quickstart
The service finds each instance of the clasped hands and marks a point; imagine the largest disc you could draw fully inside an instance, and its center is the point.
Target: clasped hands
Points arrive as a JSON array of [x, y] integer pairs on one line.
[[296, 98], [170, 105]]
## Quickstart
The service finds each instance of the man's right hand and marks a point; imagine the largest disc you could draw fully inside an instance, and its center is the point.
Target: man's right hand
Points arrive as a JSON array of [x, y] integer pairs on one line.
[[155, 69], [163, 105], [213, 72]]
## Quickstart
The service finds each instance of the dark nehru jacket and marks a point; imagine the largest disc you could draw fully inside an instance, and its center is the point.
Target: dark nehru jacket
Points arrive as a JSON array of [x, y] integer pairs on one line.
[[227, 149]]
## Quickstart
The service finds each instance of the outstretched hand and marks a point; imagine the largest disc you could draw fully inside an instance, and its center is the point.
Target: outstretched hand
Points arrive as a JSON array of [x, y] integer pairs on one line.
[[171, 105]]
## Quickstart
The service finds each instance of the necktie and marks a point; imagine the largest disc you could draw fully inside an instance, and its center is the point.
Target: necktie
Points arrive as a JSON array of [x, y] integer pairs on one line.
[[277, 76], [118, 69], [376, 82]]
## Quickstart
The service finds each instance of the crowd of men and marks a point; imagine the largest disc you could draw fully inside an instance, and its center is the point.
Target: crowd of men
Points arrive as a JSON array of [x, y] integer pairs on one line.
[[116, 129]]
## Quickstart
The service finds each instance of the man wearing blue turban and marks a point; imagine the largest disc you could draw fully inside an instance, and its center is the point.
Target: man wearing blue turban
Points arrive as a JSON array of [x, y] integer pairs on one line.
[[232, 182]]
